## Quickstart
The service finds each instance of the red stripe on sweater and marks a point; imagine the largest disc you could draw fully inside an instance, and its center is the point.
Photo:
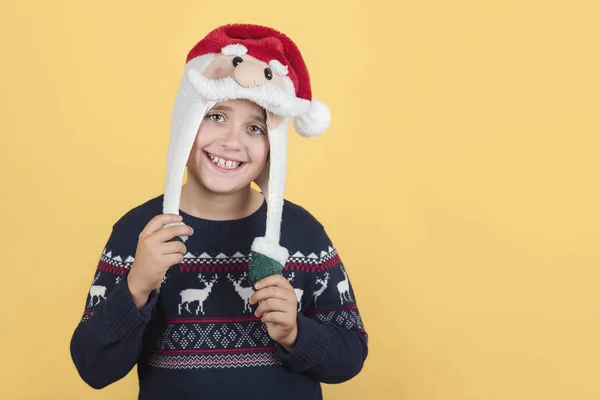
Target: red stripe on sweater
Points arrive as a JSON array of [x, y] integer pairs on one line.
[[324, 310]]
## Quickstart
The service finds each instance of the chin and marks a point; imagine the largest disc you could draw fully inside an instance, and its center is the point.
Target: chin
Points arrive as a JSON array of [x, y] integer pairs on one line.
[[223, 190], [221, 186]]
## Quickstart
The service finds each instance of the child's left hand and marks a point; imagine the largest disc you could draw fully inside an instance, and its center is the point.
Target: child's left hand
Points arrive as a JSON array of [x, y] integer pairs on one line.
[[278, 310]]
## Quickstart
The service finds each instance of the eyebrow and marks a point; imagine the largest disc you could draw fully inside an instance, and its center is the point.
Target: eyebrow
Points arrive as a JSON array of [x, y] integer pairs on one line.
[[262, 118]]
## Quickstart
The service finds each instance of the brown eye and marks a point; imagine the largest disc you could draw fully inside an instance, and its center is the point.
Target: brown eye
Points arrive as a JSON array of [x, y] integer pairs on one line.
[[216, 117], [255, 130], [268, 74], [237, 61]]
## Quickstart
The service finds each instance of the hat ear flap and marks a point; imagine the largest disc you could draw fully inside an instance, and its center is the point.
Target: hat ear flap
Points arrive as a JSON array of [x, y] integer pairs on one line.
[[315, 121], [263, 179]]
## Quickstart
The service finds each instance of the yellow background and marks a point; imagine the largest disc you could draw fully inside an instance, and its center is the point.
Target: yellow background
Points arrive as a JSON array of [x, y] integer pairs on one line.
[[459, 180]]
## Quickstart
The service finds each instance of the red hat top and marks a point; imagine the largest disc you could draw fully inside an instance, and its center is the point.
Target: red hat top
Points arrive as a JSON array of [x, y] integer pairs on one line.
[[263, 43]]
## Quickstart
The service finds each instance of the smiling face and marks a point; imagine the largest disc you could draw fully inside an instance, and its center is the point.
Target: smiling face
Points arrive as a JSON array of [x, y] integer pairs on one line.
[[231, 147]]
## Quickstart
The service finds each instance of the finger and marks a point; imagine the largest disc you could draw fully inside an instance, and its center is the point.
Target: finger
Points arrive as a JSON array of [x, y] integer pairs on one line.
[[172, 247], [168, 233], [172, 259], [158, 222], [272, 292], [273, 280], [274, 317], [271, 305]]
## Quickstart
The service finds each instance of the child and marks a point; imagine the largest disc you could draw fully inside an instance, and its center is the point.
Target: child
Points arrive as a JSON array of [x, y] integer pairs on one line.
[[215, 290]]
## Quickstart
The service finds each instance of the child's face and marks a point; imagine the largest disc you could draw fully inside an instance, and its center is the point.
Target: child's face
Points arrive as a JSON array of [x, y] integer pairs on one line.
[[231, 147]]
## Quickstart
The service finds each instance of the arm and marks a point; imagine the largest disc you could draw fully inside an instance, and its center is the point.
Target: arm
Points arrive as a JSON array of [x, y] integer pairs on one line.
[[331, 345], [106, 343]]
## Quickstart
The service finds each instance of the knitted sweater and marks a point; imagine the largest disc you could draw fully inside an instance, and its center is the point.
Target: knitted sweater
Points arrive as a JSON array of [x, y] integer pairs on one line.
[[206, 343]]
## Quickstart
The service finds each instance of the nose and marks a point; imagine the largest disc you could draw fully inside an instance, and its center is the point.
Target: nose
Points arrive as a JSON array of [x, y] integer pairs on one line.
[[231, 138], [250, 74]]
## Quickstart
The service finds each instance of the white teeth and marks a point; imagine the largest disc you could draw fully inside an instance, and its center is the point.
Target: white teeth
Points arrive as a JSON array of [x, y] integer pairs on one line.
[[227, 164]]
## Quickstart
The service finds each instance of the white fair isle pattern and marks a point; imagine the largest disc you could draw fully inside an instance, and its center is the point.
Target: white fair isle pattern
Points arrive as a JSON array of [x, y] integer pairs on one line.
[[296, 260], [203, 361], [323, 282], [176, 337], [313, 262], [117, 261], [224, 336], [344, 288], [299, 292], [196, 295], [97, 292], [115, 264], [197, 336], [245, 292], [349, 319]]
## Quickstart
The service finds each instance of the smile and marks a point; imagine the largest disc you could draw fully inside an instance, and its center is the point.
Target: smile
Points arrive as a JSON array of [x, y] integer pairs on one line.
[[224, 163]]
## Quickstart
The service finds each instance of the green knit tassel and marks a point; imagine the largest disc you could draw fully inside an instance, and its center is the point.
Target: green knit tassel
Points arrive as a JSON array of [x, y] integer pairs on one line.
[[262, 266]]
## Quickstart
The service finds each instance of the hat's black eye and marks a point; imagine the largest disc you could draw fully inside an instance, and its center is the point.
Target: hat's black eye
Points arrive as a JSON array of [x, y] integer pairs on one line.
[[268, 74], [237, 61]]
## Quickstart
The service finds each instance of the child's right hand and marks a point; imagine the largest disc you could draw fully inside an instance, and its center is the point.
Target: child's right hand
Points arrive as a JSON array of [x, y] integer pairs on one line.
[[155, 254]]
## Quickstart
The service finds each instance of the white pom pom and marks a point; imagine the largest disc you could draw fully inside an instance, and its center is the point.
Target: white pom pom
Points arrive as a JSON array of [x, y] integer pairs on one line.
[[315, 121]]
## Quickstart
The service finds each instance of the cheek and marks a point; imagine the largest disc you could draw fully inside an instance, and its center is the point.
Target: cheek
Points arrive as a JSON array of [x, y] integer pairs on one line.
[[259, 151], [206, 134], [193, 157], [196, 151]]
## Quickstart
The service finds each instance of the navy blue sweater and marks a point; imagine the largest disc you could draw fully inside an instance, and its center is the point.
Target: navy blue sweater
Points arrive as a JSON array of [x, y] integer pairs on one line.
[[206, 343]]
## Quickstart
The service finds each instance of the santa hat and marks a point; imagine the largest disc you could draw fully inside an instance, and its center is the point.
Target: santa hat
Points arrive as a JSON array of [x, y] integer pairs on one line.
[[260, 64]]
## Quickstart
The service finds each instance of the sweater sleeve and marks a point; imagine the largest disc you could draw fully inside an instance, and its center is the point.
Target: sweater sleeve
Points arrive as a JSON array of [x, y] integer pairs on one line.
[[106, 343], [332, 343]]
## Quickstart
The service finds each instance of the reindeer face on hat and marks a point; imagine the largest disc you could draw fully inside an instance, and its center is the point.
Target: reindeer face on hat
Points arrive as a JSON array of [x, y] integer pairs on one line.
[[262, 65]]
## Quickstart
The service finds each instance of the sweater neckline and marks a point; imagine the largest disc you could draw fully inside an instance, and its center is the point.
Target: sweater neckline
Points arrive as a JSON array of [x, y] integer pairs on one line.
[[198, 223]]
